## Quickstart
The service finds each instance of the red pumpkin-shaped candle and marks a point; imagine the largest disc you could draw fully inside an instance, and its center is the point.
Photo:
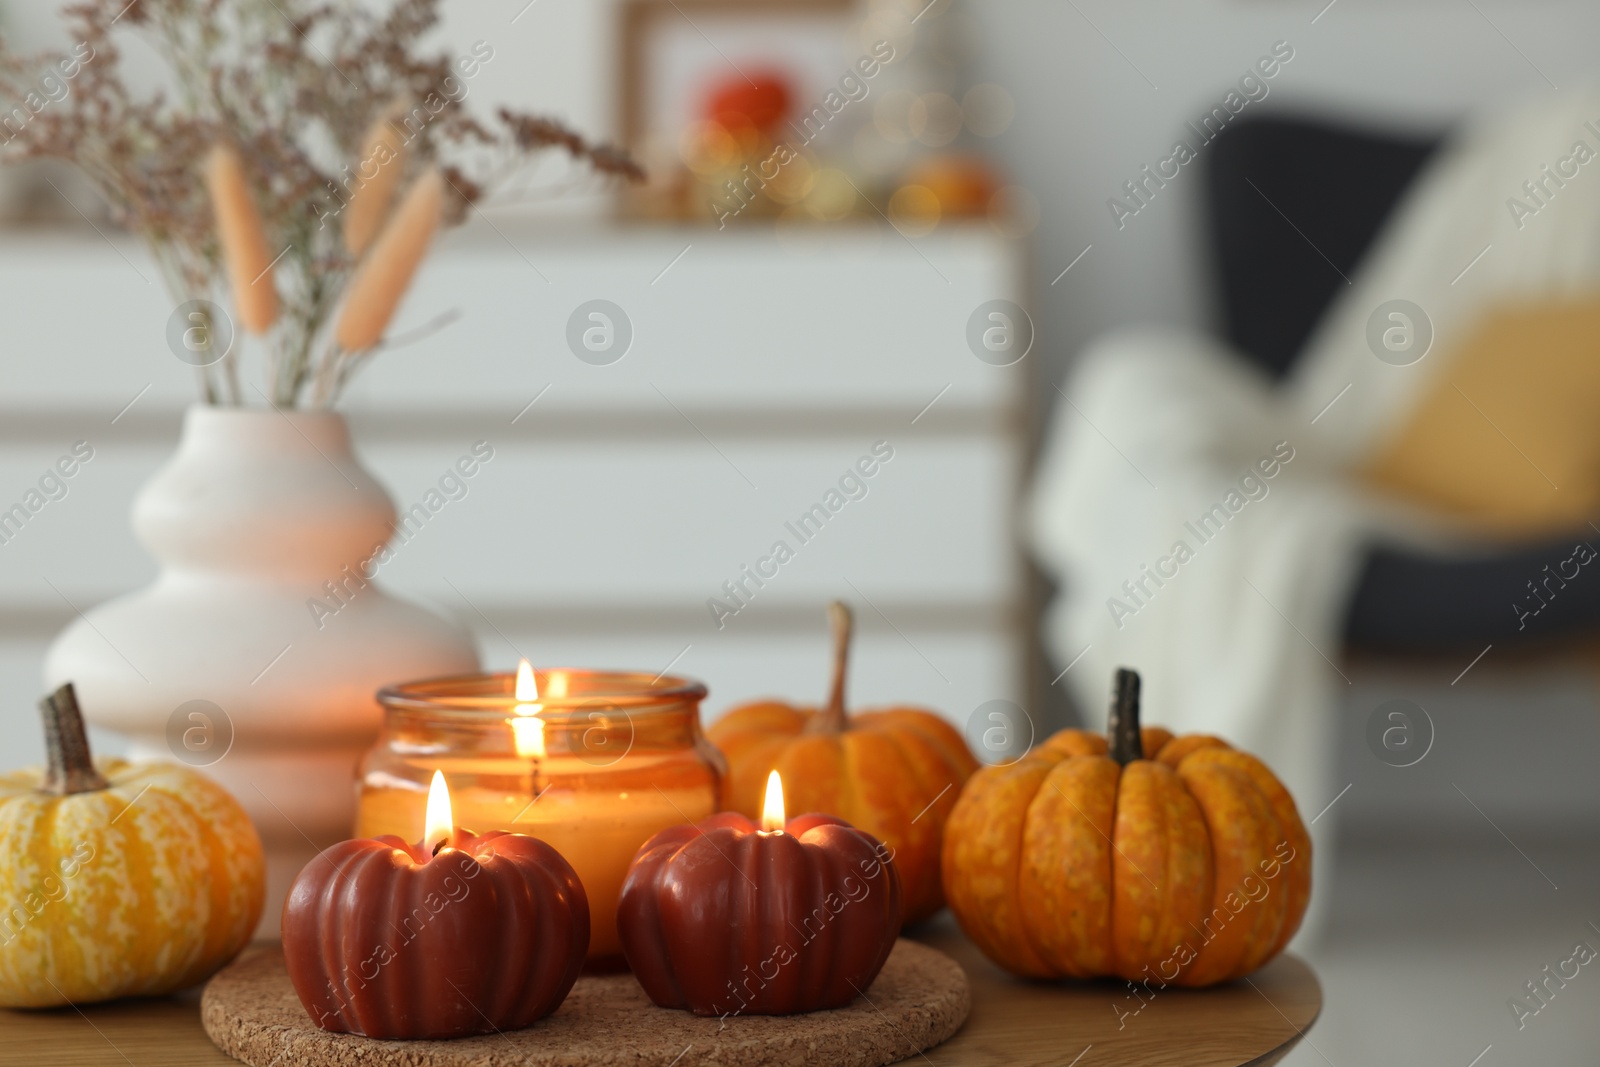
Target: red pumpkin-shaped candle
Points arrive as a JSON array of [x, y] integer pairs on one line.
[[459, 934], [895, 773], [724, 919]]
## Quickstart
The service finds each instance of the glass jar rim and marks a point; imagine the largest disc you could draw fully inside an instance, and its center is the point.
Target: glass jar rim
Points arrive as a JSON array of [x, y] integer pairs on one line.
[[493, 694]]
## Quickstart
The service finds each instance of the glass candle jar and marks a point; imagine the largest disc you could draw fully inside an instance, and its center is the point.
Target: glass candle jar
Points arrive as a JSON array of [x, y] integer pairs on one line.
[[593, 766]]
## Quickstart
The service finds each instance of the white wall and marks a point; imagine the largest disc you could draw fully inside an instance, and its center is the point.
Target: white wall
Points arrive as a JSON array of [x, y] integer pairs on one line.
[[1087, 119]]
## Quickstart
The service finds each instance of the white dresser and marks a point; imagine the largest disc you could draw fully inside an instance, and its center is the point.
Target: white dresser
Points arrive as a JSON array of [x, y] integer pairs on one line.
[[763, 366]]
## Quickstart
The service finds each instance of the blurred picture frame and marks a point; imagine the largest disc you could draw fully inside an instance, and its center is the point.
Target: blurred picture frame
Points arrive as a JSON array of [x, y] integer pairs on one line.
[[680, 60]]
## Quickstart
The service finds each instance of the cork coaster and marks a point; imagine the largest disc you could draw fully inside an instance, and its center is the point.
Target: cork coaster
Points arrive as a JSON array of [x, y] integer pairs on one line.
[[920, 998]]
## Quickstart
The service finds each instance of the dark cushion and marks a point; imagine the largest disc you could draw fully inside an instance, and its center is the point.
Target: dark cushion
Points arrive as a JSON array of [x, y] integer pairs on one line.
[[1291, 207], [1409, 602]]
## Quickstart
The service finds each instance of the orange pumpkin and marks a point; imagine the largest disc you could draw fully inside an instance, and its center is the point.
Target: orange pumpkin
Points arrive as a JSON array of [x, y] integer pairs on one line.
[[894, 773], [1087, 859]]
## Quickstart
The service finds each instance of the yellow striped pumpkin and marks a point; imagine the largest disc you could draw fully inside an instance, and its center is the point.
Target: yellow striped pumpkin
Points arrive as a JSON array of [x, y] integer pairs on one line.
[[118, 879]]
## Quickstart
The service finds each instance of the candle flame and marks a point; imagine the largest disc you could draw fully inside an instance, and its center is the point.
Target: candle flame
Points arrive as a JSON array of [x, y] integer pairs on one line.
[[527, 729], [439, 822], [772, 808]]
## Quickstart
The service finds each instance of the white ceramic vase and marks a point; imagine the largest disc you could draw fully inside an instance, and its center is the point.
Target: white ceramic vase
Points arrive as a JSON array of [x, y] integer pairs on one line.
[[222, 662]]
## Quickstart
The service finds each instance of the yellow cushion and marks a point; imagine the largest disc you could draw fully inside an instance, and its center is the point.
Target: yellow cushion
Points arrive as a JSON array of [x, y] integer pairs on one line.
[[1507, 440]]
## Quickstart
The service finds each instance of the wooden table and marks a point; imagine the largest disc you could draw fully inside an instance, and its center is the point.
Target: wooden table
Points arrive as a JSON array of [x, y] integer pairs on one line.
[[1250, 1023], [1013, 1022]]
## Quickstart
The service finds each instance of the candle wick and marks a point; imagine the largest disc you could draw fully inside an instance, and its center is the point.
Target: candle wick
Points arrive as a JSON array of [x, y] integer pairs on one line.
[[442, 842]]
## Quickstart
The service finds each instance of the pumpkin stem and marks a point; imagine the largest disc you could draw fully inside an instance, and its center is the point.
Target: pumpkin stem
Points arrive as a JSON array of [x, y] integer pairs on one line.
[[832, 719], [70, 770], [1122, 729]]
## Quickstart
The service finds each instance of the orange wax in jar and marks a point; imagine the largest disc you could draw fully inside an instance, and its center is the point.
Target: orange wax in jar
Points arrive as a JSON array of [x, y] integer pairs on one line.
[[594, 765]]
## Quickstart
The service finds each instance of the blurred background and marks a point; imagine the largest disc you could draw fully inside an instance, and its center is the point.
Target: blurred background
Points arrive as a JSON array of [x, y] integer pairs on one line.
[[778, 334]]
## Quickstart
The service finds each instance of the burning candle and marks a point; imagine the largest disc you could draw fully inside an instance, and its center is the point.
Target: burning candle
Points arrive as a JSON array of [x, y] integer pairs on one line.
[[527, 729], [590, 762], [723, 918], [772, 806], [456, 934]]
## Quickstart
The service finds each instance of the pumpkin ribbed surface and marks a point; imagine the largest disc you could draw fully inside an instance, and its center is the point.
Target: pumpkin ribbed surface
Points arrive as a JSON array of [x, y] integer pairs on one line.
[[1189, 868], [139, 889], [807, 924], [388, 940], [893, 773]]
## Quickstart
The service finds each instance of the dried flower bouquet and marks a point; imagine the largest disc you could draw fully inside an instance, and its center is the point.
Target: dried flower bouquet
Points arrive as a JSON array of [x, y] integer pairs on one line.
[[306, 151]]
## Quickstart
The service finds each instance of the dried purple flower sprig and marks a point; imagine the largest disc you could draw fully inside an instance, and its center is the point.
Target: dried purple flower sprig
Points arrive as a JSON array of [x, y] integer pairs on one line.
[[318, 101]]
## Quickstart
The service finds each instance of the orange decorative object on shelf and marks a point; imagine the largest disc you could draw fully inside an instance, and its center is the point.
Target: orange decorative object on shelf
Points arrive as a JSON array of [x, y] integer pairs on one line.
[[1087, 859], [963, 186], [893, 773], [762, 101]]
